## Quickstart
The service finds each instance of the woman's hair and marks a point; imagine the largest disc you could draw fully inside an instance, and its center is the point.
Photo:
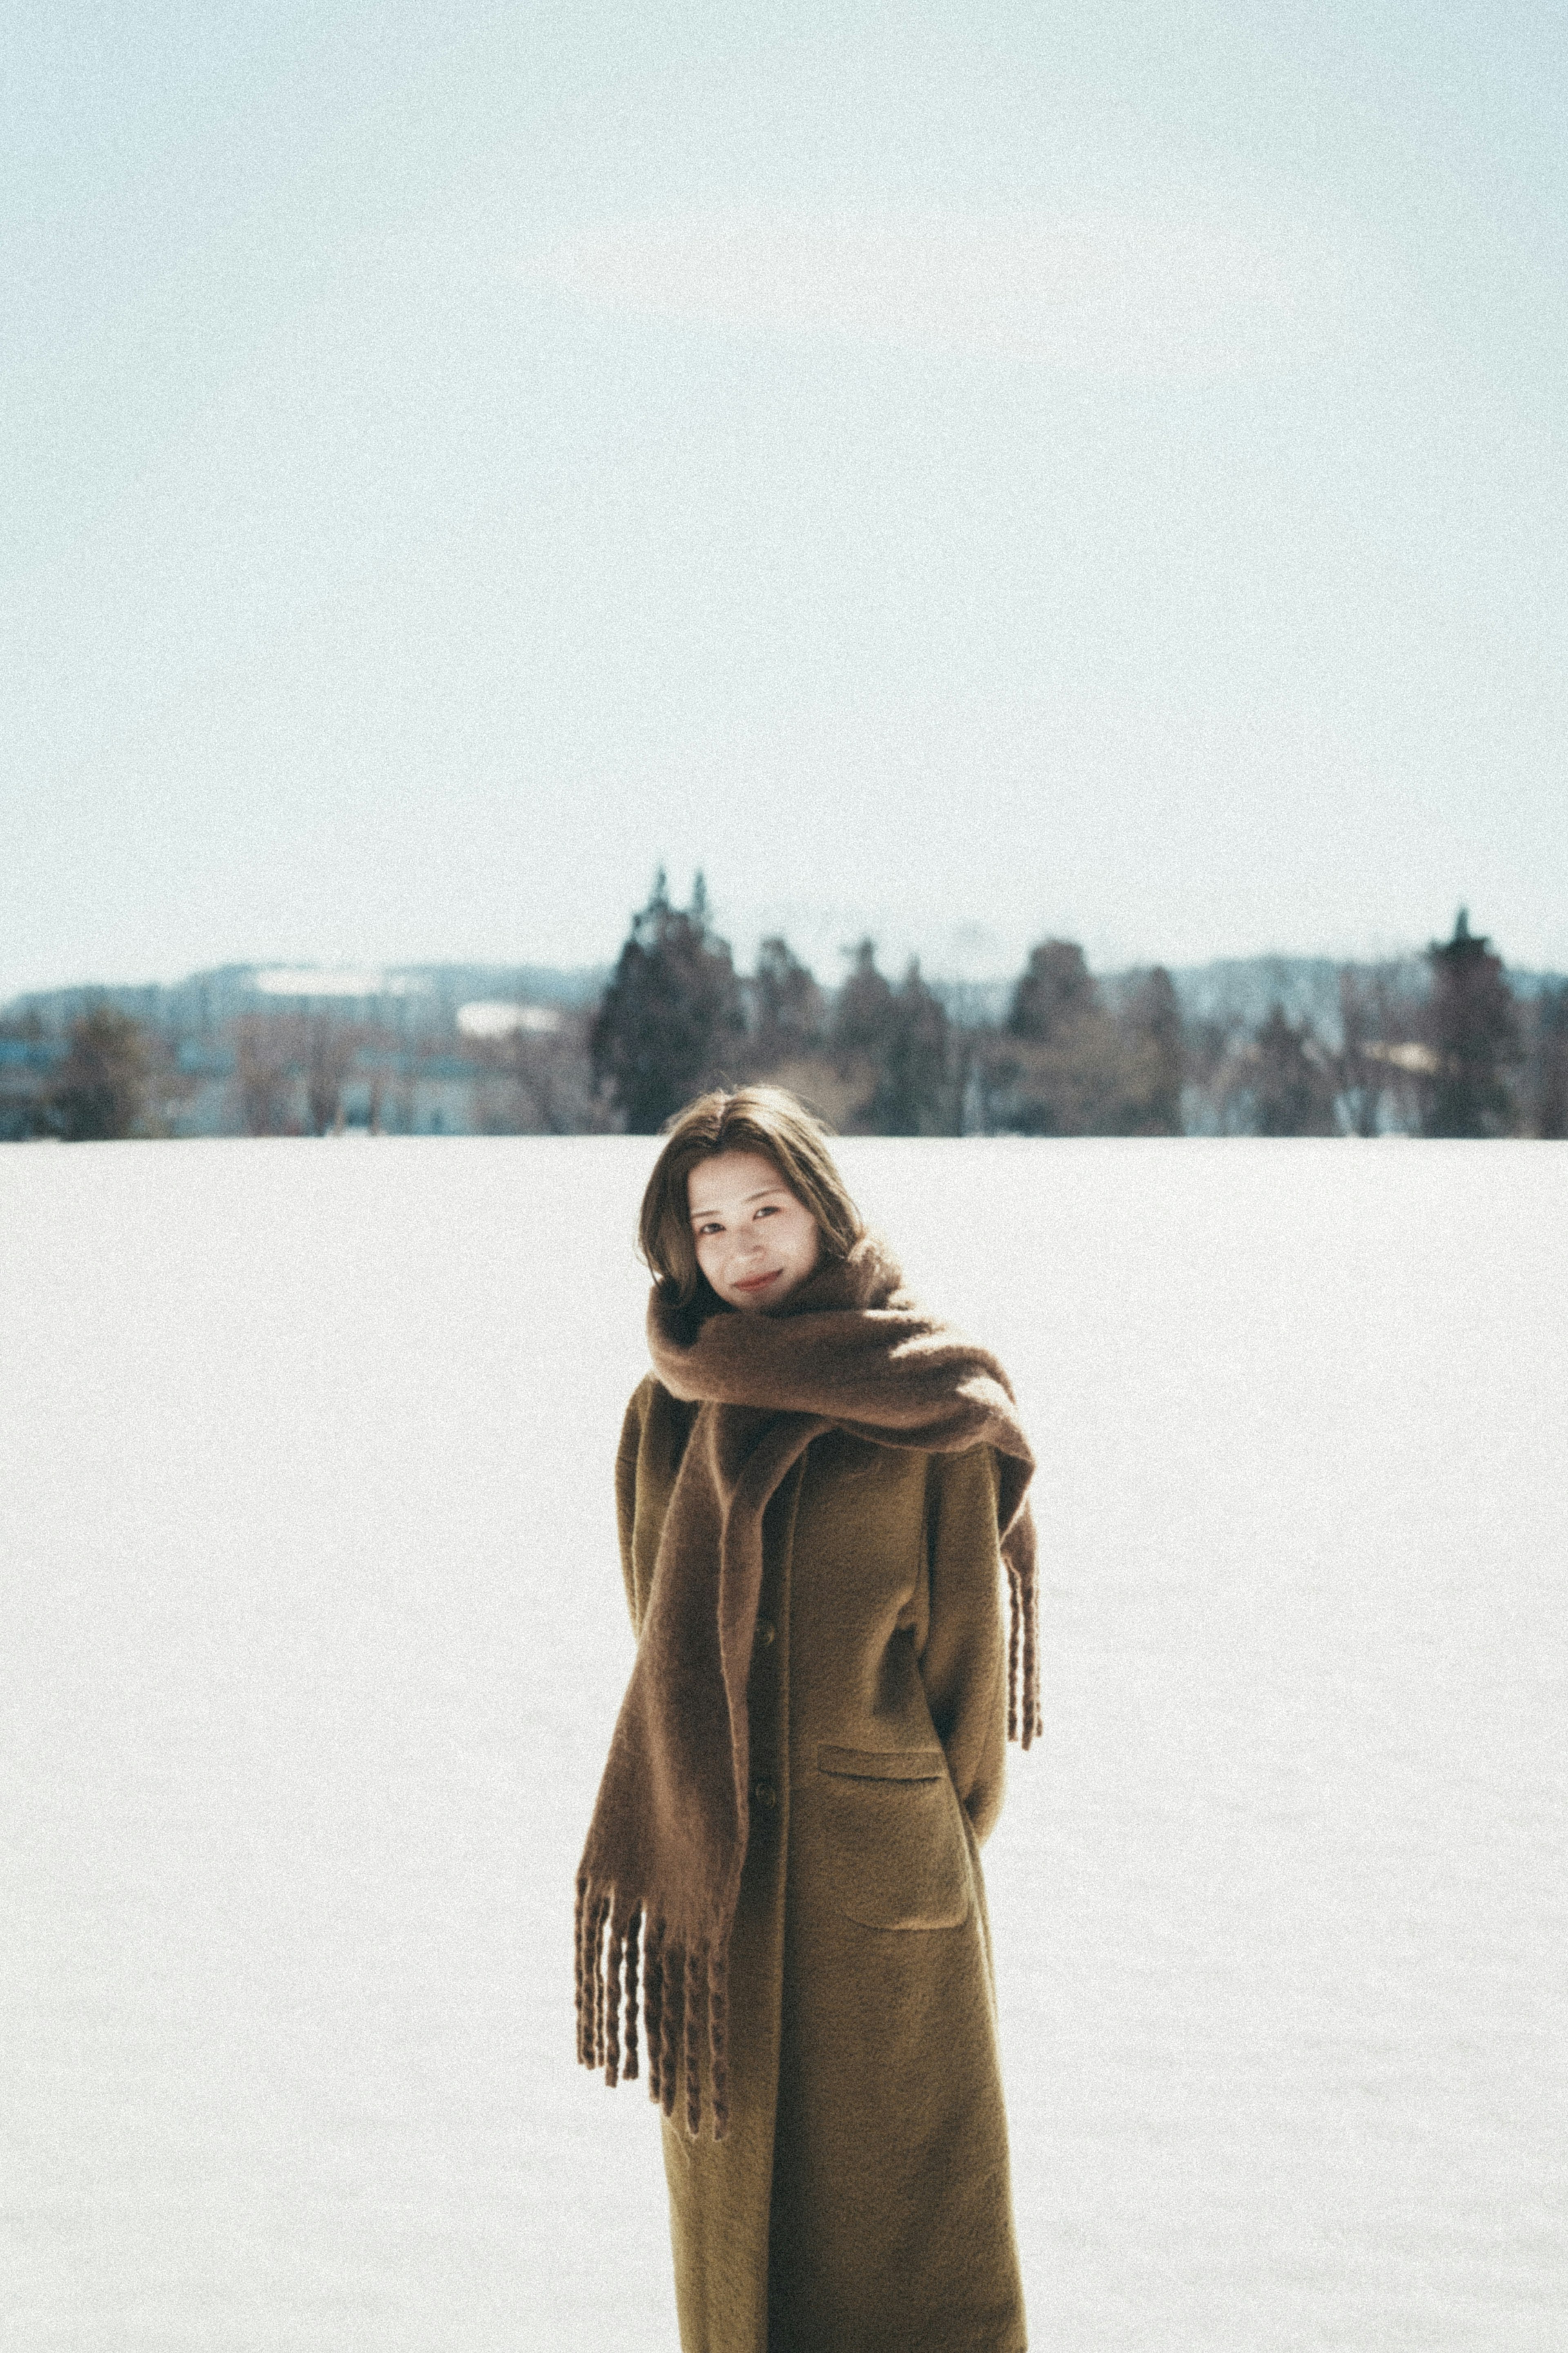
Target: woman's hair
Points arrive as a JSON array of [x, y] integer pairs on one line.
[[767, 1120]]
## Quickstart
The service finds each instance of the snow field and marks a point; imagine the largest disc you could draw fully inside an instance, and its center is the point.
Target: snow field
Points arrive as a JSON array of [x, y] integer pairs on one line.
[[314, 1638]]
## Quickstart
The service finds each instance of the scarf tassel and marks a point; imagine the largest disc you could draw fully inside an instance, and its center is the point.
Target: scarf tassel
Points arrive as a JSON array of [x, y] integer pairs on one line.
[[632, 1967], [1024, 1717], [629, 1966]]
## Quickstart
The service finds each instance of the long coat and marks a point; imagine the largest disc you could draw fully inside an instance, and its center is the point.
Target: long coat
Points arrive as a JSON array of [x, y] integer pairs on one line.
[[861, 2202]]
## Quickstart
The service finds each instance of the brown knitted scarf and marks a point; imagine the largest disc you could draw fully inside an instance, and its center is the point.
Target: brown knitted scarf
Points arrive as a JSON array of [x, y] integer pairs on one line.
[[661, 1870]]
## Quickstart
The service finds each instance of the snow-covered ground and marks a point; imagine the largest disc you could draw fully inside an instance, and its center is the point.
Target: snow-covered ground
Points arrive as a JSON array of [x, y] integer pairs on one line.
[[312, 1639]]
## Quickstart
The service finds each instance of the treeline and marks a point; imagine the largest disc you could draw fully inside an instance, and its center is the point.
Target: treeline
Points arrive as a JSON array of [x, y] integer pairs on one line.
[[1451, 1052], [111, 1076], [1439, 1046]]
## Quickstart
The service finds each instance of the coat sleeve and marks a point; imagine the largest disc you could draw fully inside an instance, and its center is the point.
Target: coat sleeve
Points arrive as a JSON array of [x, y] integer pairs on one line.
[[963, 1665]]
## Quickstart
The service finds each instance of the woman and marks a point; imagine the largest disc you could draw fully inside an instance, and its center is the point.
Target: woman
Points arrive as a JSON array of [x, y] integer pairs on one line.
[[819, 1487]]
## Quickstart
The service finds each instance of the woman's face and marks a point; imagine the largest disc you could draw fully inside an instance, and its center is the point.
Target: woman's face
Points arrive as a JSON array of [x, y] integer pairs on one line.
[[755, 1243]]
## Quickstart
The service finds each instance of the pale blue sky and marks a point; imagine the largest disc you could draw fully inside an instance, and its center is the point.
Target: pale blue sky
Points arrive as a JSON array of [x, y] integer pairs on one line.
[[962, 472]]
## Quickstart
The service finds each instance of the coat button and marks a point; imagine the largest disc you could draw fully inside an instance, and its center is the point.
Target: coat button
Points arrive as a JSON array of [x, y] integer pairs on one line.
[[766, 1632], [764, 1793]]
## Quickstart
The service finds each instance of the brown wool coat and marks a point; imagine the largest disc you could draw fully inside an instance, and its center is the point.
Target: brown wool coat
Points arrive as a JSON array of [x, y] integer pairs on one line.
[[861, 2202]]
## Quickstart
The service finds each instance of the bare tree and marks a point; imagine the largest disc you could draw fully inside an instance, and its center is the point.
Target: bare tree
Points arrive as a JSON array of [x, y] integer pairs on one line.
[[556, 1090], [266, 1051], [330, 1049], [1218, 1046]]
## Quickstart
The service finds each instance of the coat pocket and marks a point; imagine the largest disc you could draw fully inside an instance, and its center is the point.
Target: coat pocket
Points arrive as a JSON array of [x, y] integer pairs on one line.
[[898, 1855]]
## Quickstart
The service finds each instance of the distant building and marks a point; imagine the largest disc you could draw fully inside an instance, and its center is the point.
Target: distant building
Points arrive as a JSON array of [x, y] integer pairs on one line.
[[420, 1050]]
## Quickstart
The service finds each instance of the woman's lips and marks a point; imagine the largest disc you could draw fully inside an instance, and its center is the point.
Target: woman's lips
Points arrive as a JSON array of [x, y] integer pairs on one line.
[[759, 1282]]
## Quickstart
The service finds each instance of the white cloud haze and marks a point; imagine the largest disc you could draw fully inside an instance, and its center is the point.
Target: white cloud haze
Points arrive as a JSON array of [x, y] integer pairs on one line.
[[1101, 294]]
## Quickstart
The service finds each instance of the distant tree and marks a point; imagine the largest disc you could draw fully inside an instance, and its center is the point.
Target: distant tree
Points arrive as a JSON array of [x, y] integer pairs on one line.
[[912, 1096], [100, 1090], [891, 1072], [1375, 1062], [1360, 1066], [1292, 1088], [792, 1039], [790, 1012], [1218, 1045], [1549, 1061], [1152, 1020], [266, 1048], [671, 1017], [863, 1016], [548, 1087], [1063, 1064], [330, 1050], [1055, 991], [1473, 1035]]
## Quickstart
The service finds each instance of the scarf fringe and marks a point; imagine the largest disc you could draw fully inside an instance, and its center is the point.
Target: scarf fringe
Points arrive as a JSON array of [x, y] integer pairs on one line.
[[1024, 1717], [629, 1969], [683, 2008]]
